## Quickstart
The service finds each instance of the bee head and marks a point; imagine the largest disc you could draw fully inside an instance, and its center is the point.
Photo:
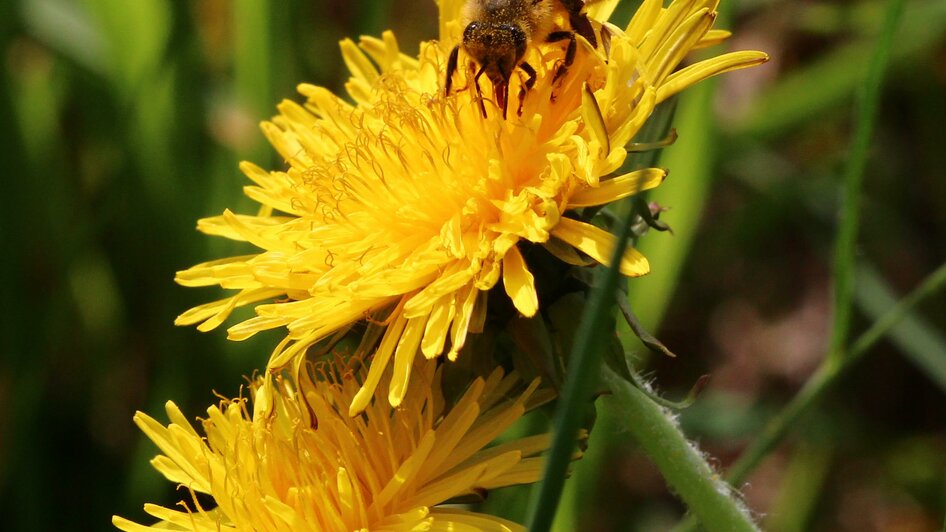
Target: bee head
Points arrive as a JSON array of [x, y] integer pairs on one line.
[[498, 48]]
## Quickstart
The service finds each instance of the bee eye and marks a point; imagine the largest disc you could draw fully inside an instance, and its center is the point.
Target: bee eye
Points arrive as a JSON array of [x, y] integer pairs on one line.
[[515, 32], [470, 32], [517, 38]]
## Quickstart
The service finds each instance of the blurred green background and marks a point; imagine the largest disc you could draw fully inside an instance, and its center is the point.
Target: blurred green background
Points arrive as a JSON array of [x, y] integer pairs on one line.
[[122, 122]]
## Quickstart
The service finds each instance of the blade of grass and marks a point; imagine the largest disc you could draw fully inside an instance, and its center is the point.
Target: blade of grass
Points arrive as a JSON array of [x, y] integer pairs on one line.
[[254, 57], [23, 465], [580, 379], [824, 377], [691, 160], [916, 338], [68, 29], [801, 489], [839, 358], [846, 243], [590, 340], [828, 373], [371, 17], [136, 36], [650, 424], [253, 75], [586, 472], [144, 78], [845, 246]]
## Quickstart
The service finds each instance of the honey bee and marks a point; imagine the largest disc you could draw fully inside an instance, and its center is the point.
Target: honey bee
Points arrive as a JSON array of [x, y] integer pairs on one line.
[[498, 33]]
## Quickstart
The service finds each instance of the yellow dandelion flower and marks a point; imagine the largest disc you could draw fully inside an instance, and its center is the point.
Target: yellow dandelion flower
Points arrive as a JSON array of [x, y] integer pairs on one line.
[[405, 206], [300, 462]]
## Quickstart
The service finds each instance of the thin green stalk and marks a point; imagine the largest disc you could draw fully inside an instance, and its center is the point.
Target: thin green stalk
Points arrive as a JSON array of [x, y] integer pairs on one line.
[[681, 464], [583, 367], [826, 376], [843, 259], [845, 245], [776, 429], [838, 358], [372, 16], [828, 373], [586, 473], [932, 284], [916, 338], [590, 340], [801, 489]]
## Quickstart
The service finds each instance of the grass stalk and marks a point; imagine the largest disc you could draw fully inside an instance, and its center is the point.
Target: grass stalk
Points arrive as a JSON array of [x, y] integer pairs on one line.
[[846, 243], [253, 56], [828, 373], [839, 358], [585, 360], [583, 367]]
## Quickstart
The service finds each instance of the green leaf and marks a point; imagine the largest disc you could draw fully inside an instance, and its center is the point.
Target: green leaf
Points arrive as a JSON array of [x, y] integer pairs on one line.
[[136, 35]]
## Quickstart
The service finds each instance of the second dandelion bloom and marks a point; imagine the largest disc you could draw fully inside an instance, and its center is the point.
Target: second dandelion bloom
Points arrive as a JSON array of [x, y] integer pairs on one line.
[[298, 461], [404, 205]]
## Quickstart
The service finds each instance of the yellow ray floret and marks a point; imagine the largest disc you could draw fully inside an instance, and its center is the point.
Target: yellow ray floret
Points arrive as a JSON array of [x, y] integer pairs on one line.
[[404, 205], [298, 461]]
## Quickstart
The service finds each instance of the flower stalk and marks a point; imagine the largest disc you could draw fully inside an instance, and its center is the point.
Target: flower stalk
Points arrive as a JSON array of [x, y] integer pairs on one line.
[[682, 465]]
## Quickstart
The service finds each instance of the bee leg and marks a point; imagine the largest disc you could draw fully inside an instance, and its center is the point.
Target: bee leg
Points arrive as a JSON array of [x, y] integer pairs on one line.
[[527, 85], [479, 91], [579, 20], [557, 36], [582, 26], [530, 81], [451, 69]]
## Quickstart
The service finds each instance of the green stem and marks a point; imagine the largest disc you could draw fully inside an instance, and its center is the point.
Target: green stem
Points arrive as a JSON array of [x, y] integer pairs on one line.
[[591, 337], [915, 337], [932, 284], [776, 429], [826, 375], [846, 243], [582, 371], [838, 358], [683, 467], [845, 248]]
